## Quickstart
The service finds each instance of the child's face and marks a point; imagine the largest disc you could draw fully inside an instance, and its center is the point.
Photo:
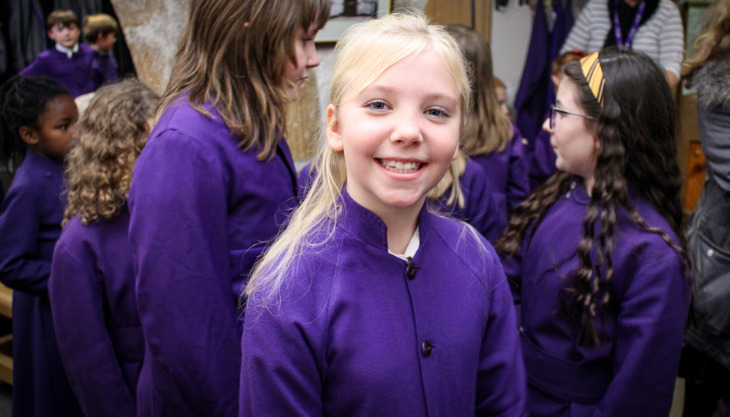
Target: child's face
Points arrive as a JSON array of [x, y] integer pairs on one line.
[[106, 42], [574, 142], [66, 36], [307, 57], [399, 135], [56, 127]]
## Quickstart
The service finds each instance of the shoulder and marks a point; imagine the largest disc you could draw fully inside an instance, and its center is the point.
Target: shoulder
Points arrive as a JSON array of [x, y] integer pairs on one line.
[[639, 242], [713, 84], [668, 7], [464, 243]]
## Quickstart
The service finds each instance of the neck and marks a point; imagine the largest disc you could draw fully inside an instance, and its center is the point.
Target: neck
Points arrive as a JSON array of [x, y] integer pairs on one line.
[[401, 224], [96, 48], [632, 3], [588, 184]]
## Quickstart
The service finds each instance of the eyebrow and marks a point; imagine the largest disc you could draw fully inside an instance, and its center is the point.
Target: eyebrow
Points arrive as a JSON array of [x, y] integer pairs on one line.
[[390, 90]]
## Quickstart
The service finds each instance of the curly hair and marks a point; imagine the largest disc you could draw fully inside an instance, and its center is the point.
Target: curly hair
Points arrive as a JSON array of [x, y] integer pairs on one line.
[[22, 102], [714, 41], [110, 137], [637, 134]]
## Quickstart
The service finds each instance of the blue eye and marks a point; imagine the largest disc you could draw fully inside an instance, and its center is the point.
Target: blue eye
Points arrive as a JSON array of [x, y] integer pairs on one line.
[[377, 105], [436, 113]]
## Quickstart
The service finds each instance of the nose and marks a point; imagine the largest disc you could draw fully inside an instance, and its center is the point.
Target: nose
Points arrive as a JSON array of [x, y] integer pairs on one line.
[[312, 56], [407, 128], [546, 126]]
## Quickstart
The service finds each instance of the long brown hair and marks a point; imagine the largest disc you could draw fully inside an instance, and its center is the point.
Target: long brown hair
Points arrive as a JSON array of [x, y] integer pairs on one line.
[[232, 55], [637, 149], [487, 129]]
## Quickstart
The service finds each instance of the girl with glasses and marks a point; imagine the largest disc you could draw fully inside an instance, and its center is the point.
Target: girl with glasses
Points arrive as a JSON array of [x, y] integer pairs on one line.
[[595, 255]]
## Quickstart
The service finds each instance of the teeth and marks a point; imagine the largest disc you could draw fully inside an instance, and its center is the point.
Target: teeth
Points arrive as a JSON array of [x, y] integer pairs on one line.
[[400, 167]]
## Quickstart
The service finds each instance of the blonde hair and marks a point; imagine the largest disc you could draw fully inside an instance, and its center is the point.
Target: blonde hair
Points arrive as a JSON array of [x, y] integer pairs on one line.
[[99, 24], [714, 41], [363, 53], [110, 136], [488, 129], [232, 55]]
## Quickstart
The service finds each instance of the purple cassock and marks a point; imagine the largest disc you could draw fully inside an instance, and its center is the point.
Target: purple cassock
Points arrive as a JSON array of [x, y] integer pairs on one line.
[[83, 73], [507, 172], [633, 372], [30, 223], [202, 210], [481, 205], [360, 332], [95, 314]]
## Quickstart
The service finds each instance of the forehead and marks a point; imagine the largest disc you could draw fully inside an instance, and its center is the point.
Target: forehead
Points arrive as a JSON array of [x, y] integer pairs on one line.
[[61, 25], [567, 94], [61, 106]]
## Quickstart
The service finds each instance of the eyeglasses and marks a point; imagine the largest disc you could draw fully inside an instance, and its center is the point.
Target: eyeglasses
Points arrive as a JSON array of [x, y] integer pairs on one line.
[[554, 110]]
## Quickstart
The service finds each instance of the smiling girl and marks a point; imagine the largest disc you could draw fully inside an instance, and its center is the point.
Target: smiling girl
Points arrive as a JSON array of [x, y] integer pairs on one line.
[[368, 304], [595, 253]]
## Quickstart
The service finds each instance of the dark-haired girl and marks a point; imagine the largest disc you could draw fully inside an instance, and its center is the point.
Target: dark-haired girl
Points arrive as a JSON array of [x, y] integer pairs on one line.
[[38, 117], [595, 254]]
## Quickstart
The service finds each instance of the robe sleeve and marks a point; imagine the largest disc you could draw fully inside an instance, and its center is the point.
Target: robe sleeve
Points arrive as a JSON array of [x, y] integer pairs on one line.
[[649, 333], [20, 267]]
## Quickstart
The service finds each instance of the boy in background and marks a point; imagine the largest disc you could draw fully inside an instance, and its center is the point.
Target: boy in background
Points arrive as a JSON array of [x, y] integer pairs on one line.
[[69, 62], [100, 32]]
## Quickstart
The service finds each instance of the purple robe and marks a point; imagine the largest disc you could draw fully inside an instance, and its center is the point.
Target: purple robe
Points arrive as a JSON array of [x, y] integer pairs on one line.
[[202, 211], [360, 332], [507, 172], [633, 372], [95, 314], [481, 204], [30, 223], [77, 74]]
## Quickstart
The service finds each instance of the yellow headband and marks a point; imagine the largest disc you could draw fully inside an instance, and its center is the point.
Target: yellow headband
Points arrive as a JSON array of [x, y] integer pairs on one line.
[[591, 67]]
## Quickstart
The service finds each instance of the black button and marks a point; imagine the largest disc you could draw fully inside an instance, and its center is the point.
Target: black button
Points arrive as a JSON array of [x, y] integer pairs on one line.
[[411, 270], [426, 347]]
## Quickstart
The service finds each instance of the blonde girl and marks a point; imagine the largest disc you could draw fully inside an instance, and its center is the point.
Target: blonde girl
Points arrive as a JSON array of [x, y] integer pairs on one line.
[[368, 304]]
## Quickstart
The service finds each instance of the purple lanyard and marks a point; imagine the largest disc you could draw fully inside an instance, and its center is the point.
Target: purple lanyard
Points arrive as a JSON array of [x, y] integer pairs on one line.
[[625, 46]]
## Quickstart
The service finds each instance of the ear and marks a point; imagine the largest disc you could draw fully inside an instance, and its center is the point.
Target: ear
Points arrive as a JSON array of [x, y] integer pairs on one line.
[[29, 135], [99, 37], [334, 131]]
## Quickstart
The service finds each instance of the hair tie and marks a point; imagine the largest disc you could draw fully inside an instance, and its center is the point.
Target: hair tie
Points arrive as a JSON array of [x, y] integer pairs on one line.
[[591, 67]]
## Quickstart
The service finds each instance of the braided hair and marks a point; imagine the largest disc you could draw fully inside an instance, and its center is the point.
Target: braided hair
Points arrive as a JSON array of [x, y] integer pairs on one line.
[[637, 133], [22, 101]]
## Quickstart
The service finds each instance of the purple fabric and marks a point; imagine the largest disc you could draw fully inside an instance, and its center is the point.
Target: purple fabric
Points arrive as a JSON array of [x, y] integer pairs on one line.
[[353, 336], [202, 211], [30, 223], [481, 204], [95, 313], [543, 159], [77, 74], [633, 373], [508, 174], [104, 69]]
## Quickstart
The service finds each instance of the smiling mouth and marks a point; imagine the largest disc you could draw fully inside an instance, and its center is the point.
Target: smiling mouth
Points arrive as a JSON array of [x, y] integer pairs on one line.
[[400, 167]]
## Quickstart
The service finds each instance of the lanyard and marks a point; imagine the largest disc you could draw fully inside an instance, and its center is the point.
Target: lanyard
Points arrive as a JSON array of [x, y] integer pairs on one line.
[[625, 46]]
